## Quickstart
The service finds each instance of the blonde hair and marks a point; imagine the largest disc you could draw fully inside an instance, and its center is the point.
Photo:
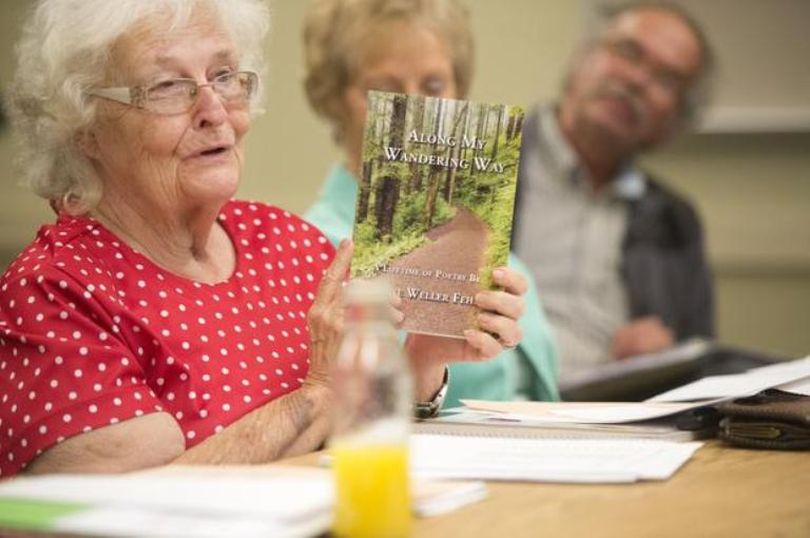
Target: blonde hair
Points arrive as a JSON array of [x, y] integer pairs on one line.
[[64, 51], [334, 29]]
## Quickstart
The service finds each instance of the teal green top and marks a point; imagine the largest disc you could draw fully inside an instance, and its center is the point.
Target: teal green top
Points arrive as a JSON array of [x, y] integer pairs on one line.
[[528, 371]]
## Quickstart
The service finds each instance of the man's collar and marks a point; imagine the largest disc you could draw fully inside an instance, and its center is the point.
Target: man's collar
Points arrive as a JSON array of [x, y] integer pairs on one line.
[[560, 158], [558, 155]]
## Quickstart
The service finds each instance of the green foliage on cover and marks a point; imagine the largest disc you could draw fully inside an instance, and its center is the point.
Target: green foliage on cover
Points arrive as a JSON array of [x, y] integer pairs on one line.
[[379, 253], [410, 217]]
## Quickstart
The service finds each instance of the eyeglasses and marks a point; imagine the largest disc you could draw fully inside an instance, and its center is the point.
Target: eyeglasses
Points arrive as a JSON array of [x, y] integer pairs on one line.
[[178, 95], [632, 52]]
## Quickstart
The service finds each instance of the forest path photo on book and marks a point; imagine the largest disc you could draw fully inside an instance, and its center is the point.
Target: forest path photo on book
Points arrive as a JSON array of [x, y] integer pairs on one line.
[[452, 243]]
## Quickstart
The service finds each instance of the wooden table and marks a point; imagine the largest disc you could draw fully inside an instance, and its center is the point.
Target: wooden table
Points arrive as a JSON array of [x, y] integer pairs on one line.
[[720, 492]]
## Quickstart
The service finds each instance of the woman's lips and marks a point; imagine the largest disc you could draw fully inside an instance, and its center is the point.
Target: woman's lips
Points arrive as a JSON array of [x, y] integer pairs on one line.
[[213, 154]]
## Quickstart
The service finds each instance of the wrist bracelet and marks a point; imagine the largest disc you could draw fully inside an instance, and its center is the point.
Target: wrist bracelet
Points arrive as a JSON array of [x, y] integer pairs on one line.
[[422, 410]]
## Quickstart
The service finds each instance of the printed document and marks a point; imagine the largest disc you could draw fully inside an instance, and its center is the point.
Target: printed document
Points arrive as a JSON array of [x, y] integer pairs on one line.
[[547, 460]]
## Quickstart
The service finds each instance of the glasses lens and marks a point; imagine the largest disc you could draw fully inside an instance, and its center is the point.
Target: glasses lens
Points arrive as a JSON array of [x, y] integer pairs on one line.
[[171, 96], [235, 86]]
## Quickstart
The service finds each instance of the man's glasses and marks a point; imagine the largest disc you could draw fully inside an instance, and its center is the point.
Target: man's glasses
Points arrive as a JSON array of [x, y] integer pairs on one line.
[[178, 95], [632, 52]]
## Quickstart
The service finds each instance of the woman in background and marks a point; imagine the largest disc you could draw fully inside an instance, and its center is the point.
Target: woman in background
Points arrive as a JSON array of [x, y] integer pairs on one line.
[[417, 47]]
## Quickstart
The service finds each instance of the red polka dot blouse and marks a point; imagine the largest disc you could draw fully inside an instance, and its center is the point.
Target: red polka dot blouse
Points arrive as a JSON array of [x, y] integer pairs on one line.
[[93, 333]]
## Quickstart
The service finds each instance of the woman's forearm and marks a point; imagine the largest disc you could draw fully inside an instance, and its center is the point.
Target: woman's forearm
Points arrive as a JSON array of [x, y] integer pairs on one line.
[[292, 424]]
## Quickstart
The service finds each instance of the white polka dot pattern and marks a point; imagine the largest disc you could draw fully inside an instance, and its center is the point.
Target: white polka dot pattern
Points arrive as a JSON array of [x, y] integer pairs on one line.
[[93, 333]]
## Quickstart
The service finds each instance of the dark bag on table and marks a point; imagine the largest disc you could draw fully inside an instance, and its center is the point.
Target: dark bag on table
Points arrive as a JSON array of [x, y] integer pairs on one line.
[[772, 419]]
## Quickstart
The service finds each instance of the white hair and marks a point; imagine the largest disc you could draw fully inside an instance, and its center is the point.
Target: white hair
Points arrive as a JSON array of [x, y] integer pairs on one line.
[[65, 50]]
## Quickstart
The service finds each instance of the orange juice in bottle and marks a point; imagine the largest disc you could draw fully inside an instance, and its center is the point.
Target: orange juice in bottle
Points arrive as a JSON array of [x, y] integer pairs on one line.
[[373, 496], [372, 408]]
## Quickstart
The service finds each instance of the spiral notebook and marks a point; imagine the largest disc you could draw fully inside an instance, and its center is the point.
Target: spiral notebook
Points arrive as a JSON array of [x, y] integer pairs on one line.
[[465, 422]]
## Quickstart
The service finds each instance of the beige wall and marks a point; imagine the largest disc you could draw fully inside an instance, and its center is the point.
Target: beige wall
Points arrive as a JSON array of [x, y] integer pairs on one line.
[[752, 189]]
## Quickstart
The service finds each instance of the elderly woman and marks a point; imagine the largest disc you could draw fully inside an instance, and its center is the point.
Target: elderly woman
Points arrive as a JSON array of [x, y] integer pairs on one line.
[[158, 320], [416, 47]]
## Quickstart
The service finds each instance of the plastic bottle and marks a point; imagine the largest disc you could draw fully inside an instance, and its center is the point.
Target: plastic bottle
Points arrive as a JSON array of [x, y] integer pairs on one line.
[[372, 409]]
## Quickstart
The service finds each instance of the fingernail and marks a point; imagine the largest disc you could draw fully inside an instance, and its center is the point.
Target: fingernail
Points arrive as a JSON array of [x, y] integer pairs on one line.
[[468, 333], [498, 274]]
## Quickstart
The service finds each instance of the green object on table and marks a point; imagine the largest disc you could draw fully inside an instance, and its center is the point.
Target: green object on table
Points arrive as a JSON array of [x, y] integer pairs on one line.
[[29, 514]]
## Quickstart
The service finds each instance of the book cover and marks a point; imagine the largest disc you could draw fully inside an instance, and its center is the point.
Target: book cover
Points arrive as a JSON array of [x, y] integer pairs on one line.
[[435, 203]]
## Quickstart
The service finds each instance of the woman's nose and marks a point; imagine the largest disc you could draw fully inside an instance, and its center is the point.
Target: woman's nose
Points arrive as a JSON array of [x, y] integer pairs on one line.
[[209, 109]]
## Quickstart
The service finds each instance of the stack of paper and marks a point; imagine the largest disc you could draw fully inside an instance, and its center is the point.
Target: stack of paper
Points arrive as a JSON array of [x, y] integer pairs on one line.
[[428, 497], [198, 501], [547, 460], [490, 423], [582, 412], [792, 375], [170, 505]]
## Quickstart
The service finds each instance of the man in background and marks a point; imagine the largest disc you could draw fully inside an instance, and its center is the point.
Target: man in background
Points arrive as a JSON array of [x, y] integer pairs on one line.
[[618, 257]]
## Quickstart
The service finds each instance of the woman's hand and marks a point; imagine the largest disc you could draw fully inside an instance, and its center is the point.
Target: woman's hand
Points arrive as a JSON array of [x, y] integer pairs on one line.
[[498, 319], [498, 329], [325, 318]]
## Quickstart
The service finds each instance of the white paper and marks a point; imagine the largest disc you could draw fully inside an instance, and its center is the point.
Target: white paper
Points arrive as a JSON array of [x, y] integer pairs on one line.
[[547, 460], [214, 501], [286, 498], [435, 497], [739, 385], [798, 387], [580, 412], [253, 505], [619, 413], [126, 522]]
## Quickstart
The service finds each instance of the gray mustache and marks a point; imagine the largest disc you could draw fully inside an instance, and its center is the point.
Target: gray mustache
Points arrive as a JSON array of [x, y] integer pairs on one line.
[[626, 95]]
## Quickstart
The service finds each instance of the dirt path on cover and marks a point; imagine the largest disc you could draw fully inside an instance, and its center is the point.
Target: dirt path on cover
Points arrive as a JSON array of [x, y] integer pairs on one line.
[[456, 248]]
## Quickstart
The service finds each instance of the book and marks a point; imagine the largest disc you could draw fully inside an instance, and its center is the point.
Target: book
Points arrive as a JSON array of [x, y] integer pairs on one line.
[[435, 203], [466, 422]]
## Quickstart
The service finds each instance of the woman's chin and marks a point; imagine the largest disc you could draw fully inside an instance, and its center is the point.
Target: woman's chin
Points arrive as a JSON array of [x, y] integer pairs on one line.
[[212, 187]]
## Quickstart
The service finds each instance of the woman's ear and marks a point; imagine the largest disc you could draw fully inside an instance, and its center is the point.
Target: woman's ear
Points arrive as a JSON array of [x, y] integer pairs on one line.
[[87, 143]]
